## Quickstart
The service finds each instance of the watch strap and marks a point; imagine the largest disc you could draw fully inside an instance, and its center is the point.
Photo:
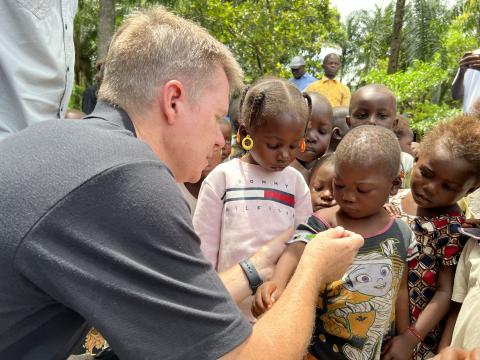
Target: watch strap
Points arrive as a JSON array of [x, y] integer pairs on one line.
[[254, 279]]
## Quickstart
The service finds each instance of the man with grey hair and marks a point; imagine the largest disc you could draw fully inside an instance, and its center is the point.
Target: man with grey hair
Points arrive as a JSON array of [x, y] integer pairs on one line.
[[95, 231], [301, 79]]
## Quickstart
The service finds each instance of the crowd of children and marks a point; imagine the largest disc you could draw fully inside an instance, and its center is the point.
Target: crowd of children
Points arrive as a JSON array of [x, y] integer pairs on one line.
[[298, 162]]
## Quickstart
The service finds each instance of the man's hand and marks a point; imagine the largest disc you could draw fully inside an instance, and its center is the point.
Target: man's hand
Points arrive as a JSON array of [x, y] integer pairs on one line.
[[470, 60], [266, 257], [332, 252]]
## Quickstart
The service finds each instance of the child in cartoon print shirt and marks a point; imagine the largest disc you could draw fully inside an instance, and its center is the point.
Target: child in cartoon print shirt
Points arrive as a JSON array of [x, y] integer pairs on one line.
[[355, 314], [369, 305]]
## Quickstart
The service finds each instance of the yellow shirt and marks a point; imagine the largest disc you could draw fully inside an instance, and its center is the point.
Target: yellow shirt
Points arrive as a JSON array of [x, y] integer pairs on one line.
[[337, 93]]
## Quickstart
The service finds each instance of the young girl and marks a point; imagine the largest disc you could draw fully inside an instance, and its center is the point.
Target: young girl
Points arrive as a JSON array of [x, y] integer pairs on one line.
[[318, 135], [321, 183], [446, 169], [356, 314], [244, 202]]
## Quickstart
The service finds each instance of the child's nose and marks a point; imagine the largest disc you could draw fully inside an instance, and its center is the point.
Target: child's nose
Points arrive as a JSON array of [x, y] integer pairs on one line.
[[327, 195], [283, 156]]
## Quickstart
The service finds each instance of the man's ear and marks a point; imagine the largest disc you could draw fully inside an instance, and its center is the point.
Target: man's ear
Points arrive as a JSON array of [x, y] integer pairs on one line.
[[396, 184], [336, 133], [172, 96], [347, 120]]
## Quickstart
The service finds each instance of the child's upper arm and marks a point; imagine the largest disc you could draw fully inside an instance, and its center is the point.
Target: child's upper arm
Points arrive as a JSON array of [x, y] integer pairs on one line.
[[207, 219], [308, 229], [303, 200]]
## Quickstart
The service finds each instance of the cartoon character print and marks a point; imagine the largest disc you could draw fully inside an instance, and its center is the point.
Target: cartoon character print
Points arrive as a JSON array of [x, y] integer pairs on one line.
[[363, 306]]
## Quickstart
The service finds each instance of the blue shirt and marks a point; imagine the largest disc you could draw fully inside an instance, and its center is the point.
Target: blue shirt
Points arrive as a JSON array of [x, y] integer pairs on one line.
[[303, 82]]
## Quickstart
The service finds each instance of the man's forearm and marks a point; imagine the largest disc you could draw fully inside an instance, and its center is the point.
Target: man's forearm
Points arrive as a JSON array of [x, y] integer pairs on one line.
[[287, 327], [457, 85]]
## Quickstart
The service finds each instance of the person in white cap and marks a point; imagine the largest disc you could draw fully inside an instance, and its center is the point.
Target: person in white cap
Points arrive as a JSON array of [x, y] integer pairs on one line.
[[300, 78]]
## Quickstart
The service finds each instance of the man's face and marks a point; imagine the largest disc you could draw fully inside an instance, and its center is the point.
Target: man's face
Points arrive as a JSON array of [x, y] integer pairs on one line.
[[298, 72], [199, 132], [331, 65]]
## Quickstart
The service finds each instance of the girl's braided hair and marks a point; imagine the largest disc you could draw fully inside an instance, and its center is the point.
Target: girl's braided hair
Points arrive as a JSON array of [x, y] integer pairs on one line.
[[267, 98]]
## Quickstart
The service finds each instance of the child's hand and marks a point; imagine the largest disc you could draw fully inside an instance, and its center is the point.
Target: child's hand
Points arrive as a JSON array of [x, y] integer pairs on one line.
[[392, 210], [400, 347], [265, 297], [469, 223]]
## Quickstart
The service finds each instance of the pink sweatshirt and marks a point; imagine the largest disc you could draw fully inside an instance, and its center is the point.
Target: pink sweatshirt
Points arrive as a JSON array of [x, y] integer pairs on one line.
[[242, 206]]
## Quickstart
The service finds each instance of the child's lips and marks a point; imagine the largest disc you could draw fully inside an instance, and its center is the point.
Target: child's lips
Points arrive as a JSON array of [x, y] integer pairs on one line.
[[420, 198]]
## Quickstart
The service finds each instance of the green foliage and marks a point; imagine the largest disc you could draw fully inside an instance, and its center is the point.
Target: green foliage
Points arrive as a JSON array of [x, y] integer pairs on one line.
[[265, 34], [434, 41], [75, 101]]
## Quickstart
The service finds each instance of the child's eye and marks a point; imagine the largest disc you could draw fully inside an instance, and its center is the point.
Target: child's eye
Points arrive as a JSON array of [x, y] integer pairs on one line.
[[363, 191], [424, 172], [273, 146], [361, 116], [383, 116]]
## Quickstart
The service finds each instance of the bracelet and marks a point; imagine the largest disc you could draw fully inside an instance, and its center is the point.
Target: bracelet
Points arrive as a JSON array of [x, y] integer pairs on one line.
[[254, 279], [415, 333]]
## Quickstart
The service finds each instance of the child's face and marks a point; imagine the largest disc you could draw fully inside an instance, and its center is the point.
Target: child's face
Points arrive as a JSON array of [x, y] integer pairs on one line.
[[318, 135], [361, 190], [438, 181], [321, 187], [227, 134], [406, 143], [276, 141], [370, 107]]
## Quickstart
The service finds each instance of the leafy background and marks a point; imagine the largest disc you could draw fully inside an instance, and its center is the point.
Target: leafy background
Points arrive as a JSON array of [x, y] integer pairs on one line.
[[265, 34]]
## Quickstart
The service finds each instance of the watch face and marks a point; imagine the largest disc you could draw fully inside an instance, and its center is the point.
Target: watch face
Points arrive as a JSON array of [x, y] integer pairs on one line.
[[471, 232]]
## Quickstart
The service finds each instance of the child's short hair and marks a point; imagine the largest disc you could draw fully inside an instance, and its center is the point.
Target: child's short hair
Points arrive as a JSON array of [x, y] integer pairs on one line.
[[327, 159], [368, 145], [373, 87], [403, 127], [460, 135], [269, 97]]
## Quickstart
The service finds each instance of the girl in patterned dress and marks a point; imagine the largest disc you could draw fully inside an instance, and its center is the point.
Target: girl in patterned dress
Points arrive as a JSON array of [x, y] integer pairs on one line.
[[446, 169]]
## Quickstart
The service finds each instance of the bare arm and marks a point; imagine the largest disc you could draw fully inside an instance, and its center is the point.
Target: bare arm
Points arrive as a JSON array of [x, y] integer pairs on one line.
[[284, 331], [438, 307], [264, 261], [457, 85], [402, 317]]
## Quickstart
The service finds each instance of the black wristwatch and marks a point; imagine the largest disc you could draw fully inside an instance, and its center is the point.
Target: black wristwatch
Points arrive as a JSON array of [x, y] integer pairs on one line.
[[254, 279]]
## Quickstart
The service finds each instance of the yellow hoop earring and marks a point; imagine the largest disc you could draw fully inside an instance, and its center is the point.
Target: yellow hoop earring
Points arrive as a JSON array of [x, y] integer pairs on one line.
[[302, 145], [247, 143]]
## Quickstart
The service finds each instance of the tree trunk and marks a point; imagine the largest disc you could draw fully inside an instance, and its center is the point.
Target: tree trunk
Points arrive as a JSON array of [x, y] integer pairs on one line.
[[396, 37], [106, 26]]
